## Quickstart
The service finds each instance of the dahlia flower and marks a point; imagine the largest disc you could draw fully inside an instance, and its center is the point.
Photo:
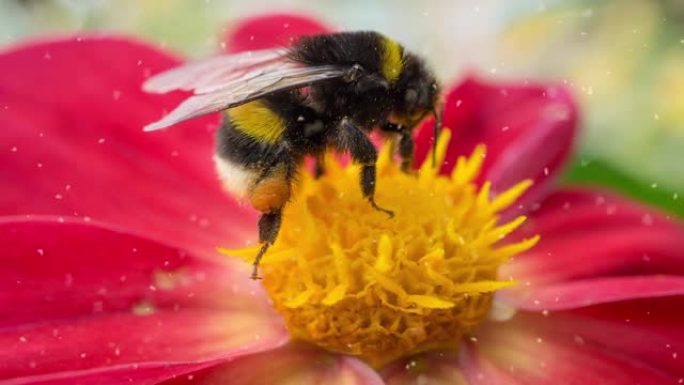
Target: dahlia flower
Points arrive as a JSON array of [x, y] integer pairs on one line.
[[490, 272]]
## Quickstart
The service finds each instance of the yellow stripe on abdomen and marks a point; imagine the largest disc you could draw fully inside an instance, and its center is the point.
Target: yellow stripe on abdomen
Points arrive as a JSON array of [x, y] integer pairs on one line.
[[258, 121], [392, 63]]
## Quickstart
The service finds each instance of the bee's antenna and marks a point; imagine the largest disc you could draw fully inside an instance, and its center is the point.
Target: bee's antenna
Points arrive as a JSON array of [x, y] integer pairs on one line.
[[437, 112]]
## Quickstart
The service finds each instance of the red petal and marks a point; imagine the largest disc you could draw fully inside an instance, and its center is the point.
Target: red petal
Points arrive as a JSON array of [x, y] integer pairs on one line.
[[535, 350], [77, 297], [589, 234], [292, 364], [528, 131], [596, 247], [435, 368], [73, 145], [579, 210], [574, 294], [54, 270], [272, 30], [646, 330]]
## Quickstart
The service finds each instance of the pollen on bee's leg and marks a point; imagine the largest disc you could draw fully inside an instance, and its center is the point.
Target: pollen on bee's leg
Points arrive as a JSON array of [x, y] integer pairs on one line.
[[347, 279]]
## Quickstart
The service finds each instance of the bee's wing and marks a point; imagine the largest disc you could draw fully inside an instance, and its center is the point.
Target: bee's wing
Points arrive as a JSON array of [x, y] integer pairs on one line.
[[248, 85], [210, 72]]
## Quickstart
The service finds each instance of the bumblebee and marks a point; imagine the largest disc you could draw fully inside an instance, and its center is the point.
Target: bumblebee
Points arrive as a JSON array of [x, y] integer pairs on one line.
[[281, 105]]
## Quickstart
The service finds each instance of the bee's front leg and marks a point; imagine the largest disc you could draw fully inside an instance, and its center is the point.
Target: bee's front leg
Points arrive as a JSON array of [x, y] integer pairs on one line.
[[319, 165], [406, 150], [405, 143]]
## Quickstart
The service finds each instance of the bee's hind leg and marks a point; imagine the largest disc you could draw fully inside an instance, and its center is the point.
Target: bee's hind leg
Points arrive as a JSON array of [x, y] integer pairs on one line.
[[269, 226], [269, 195]]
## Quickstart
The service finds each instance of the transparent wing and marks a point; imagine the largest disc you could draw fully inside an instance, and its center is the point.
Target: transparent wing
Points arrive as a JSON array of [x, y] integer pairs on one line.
[[203, 76], [249, 85]]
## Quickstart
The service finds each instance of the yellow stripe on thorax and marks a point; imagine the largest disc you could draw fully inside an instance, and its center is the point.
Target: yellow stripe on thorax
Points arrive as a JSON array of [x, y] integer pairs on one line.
[[258, 121], [392, 63]]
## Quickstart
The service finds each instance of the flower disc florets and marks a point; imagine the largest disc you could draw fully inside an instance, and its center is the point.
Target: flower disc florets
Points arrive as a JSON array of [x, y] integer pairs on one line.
[[351, 280]]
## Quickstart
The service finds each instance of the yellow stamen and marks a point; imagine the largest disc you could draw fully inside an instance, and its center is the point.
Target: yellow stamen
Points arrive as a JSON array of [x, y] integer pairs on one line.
[[347, 278]]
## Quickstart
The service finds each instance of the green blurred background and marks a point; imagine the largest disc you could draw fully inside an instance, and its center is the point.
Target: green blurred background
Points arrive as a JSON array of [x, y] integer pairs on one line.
[[623, 58]]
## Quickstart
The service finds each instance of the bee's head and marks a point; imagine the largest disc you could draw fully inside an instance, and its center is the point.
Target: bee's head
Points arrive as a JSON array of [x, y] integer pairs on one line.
[[416, 94]]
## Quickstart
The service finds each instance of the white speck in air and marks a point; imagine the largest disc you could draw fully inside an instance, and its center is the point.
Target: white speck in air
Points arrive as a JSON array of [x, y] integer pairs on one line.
[[647, 220]]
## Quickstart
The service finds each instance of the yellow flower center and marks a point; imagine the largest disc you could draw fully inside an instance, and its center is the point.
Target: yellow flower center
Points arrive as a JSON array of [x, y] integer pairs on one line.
[[351, 280]]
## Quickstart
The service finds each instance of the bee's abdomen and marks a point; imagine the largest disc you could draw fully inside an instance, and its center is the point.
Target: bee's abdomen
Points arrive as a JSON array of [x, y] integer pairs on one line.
[[242, 159], [235, 177], [259, 121]]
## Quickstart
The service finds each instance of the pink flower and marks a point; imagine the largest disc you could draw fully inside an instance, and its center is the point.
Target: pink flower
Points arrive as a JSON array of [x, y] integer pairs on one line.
[[110, 275]]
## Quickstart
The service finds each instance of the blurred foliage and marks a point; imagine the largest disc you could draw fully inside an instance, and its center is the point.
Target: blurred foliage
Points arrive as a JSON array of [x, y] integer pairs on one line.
[[625, 61], [595, 172]]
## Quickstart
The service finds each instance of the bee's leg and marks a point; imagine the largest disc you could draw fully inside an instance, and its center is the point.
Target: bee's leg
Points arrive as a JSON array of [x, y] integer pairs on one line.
[[405, 143], [406, 150], [269, 195], [269, 226], [362, 151], [319, 165]]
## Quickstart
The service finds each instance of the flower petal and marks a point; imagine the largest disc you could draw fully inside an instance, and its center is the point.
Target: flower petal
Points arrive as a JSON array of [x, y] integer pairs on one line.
[[528, 130], [72, 145], [582, 210], [79, 298], [435, 368], [56, 269], [596, 247], [295, 364], [581, 293], [625, 238], [271, 30], [531, 350], [646, 330]]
